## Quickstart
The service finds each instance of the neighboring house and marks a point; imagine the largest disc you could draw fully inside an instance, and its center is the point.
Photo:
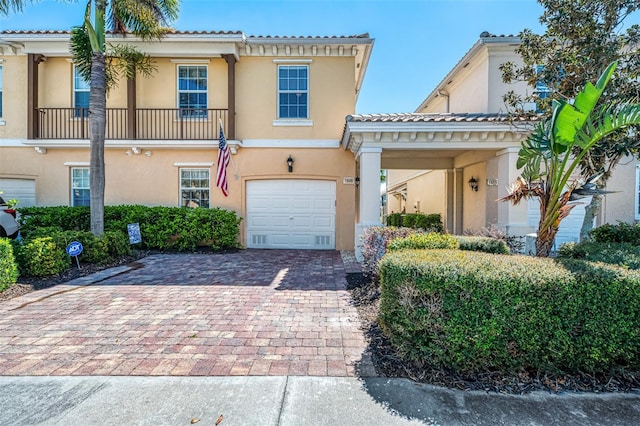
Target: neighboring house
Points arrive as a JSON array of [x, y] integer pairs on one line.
[[279, 98], [456, 154]]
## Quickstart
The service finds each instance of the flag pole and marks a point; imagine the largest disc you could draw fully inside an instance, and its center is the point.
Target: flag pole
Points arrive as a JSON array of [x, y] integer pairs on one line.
[[233, 163]]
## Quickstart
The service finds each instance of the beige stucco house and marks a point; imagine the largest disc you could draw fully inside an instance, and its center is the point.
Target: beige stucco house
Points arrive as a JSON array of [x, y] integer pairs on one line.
[[456, 154], [279, 98]]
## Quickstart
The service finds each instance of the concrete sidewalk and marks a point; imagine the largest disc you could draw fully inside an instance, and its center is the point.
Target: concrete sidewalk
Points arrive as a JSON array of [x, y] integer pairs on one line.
[[291, 401]]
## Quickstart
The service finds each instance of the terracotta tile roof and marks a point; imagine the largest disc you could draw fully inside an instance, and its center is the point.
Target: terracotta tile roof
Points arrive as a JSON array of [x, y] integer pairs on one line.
[[435, 118], [49, 32], [267, 37], [204, 32]]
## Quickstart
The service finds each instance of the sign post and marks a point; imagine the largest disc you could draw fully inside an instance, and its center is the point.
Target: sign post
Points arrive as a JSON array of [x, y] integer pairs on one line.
[[74, 249], [134, 233]]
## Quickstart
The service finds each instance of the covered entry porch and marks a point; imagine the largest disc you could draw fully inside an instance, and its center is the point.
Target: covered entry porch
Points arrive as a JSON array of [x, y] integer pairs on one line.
[[457, 146]]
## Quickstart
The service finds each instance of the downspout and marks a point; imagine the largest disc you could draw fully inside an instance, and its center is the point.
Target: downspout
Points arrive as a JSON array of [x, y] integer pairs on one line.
[[444, 95]]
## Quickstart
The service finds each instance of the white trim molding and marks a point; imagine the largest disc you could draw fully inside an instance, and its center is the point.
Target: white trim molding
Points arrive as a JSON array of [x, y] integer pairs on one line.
[[76, 163], [292, 123], [291, 143], [193, 164], [190, 61], [292, 61]]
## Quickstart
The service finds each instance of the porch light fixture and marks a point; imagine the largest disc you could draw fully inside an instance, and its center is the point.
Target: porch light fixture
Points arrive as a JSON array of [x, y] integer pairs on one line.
[[357, 181], [473, 184], [290, 163]]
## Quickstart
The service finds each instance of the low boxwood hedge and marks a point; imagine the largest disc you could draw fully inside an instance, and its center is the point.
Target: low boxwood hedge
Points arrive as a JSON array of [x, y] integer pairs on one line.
[[177, 228], [622, 254], [41, 256], [429, 222], [619, 233], [483, 244], [8, 266], [432, 240], [477, 312]]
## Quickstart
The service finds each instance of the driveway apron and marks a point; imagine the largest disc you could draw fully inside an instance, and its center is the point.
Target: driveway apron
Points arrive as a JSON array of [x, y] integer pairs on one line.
[[253, 312]]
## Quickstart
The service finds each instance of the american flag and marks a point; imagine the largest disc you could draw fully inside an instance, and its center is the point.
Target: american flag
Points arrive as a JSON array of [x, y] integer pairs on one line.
[[223, 162]]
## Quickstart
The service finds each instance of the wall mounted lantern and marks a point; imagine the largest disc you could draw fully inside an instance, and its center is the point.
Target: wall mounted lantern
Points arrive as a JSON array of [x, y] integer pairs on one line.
[[290, 163], [357, 181], [473, 184]]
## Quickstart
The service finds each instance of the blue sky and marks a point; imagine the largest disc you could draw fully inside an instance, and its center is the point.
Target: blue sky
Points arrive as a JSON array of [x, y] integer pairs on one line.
[[416, 41]]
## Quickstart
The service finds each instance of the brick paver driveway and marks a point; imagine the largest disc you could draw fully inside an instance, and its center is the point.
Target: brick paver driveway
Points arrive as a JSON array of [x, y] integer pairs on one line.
[[254, 312]]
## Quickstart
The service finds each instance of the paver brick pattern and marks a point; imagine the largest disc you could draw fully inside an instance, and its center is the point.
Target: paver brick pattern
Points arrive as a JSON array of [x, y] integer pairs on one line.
[[254, 312]]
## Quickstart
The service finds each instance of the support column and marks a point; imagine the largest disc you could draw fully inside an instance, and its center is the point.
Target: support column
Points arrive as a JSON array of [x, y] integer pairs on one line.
[[449, 182], [231, 96], [458, 192], [33, 119], [369, 202], [512, 219], [132, 118]]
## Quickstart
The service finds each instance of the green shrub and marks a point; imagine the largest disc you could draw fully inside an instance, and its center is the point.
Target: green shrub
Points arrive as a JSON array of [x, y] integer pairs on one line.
[[478, 312], [620, 233], [111, 246], [622, 254], [177, 228], [409, 220], [8, 267], [394, 219], [374, 245], [41, 256], [432, 240], [428, 222], [484, 244]]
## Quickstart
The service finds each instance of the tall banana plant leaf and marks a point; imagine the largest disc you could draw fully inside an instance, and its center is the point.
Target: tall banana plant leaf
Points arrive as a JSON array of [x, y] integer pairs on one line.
[[548, 159]]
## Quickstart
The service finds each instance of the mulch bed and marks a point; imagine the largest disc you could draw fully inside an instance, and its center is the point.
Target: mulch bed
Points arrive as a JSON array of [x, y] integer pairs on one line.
[[365, 295]]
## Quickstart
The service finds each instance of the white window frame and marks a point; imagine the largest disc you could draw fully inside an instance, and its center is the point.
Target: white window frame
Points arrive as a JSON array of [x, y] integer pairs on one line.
[[178, 91], [76, 89], [182, 202], [72, 181], [637, 194], [280, 91]]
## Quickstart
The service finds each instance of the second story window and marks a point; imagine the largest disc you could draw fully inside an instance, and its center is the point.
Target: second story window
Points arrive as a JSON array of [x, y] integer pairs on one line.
[[293, 91], [80, 95], [192, 90]]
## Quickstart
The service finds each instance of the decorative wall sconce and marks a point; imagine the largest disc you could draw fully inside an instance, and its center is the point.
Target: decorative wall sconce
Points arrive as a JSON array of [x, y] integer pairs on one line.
[[473, 184], [357, 181], [290, 163]]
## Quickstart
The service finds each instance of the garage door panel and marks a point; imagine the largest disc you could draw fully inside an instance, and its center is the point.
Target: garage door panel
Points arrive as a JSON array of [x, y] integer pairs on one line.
[[291, 214], [23, 190]]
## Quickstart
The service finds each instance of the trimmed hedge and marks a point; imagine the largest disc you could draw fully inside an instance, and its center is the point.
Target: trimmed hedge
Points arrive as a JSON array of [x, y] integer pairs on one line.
[[429, 222], [177, 228], [41, 256], [622, 254], [8, 267], [477, 312], [111, 246], [483, 244], [432, 240], [374, 245], [620, 233]]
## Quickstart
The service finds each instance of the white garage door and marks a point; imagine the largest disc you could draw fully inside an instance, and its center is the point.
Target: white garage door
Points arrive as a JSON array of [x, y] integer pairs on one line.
[[298, 214], [23, 190]]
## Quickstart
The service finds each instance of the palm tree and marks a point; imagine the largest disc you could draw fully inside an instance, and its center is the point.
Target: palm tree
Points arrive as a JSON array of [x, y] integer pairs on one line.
[[550, 155], [144, 18]]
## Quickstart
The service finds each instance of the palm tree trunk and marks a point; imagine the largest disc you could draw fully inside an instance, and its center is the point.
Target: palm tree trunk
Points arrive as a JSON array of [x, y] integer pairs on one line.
[[97, 125]]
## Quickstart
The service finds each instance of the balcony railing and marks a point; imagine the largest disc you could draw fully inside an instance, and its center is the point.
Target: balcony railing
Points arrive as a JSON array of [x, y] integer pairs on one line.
[[145, 124]]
